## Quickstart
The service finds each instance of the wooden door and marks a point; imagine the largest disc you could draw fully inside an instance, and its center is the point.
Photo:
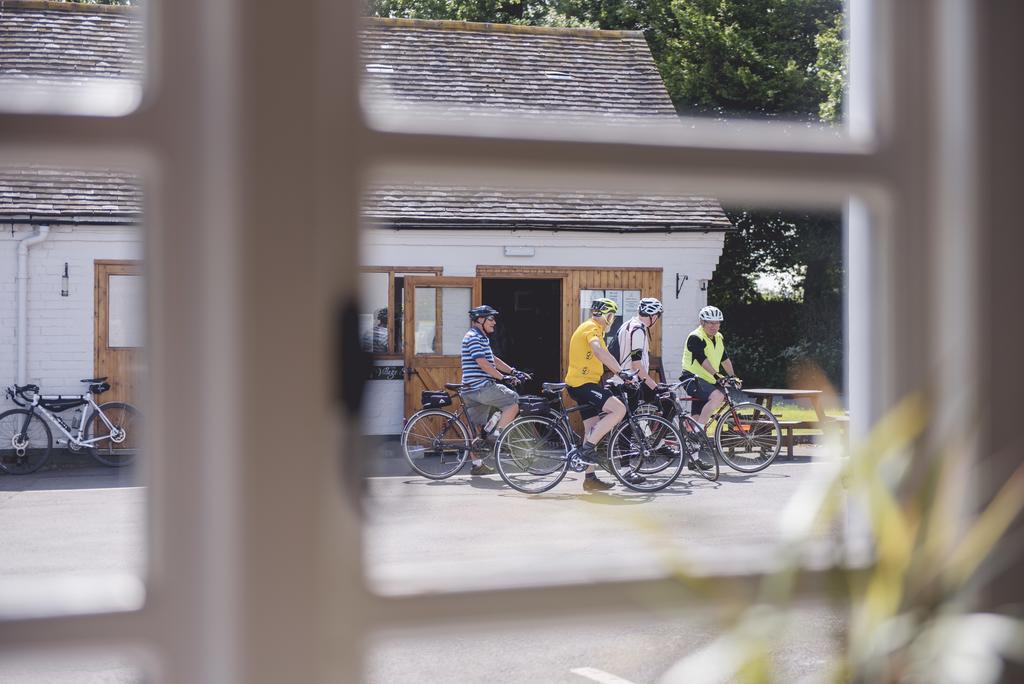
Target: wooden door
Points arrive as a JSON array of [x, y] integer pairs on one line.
[[119, 328], [436, 318]]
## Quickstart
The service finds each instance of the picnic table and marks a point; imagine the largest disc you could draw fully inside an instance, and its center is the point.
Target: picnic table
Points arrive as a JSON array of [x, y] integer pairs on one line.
[[766, 397]]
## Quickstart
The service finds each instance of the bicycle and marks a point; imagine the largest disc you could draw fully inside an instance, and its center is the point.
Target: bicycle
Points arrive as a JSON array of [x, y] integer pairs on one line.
[[437, 442], [101, 429], [747, 436], [536, 450], [701, 455]]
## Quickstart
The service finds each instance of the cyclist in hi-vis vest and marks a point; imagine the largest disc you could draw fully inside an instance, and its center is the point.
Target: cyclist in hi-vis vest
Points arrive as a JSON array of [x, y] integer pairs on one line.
[[703, 358]]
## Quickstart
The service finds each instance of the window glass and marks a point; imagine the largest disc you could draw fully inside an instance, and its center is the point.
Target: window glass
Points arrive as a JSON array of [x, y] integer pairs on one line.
[[126, 322], [373, 321], [639, 65], [542, 255], [73, 668], [72, 479], [72, 58], [455, 305], [426, 321]]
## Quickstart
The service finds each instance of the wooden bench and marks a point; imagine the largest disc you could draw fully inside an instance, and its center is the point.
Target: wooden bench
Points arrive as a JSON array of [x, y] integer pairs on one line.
[[840, 423]]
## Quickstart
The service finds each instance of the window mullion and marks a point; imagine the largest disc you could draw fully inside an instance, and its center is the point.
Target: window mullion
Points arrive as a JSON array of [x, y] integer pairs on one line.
[[826, 176]]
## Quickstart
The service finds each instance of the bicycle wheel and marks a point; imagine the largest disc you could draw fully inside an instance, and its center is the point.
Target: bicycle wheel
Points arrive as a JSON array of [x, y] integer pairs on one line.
[[436, 443], [699, 449], [649, 445], [115, 447], [748, 437], [23, 449], [655, 466], [531, 454]]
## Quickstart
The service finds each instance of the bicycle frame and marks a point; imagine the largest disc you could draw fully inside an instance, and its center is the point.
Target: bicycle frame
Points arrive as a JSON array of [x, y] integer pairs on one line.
[[728, 405], [58, 422]]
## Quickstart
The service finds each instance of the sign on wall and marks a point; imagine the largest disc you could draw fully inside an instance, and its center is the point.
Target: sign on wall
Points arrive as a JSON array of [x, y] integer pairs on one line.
[[387, 373]]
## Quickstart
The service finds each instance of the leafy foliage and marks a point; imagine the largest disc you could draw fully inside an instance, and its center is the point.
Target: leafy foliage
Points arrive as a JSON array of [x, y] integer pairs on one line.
[[783, 59]]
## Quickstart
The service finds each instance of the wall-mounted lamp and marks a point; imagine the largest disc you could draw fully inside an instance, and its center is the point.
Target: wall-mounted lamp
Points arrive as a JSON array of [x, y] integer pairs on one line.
[[680, 279], [703, 284], [64, 281]]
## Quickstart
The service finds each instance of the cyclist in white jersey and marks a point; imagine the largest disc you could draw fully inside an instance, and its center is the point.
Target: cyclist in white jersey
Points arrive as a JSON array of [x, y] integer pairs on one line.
[[635, 344]]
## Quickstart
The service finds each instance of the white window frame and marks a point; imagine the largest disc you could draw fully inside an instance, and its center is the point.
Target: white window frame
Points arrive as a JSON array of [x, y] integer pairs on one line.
[[257, 164]]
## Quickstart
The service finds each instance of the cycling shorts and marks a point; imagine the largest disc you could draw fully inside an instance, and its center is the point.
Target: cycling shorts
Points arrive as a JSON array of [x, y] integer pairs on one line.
[[591, 397]]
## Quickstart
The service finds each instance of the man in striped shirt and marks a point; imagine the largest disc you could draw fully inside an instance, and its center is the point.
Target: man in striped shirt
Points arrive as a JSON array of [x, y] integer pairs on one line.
[[480, 371]]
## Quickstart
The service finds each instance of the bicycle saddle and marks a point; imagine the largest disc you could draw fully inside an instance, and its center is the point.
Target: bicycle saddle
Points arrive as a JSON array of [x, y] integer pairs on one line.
[[553, 387], [453, 386], [94, 379]]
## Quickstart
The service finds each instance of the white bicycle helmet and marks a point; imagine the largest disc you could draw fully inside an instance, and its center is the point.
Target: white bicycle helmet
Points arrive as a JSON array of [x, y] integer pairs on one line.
[[649, 306], [711, 313]]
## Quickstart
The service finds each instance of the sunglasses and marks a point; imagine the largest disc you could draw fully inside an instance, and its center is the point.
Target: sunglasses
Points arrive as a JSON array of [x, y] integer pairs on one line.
[[492, 319]]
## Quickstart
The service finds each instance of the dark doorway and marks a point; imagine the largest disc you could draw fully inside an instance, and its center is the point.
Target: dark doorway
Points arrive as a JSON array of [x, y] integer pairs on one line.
[[529, 333]]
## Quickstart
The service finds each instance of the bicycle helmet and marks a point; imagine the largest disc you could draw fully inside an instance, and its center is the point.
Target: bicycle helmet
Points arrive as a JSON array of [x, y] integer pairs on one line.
[[711, 313], [602, 306], [482, 311], [649, 306]]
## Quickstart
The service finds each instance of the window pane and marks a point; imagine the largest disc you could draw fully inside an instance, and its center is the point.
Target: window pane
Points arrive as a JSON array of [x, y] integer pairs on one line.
[[426, 321], [581, 64], [802, 640], [72, 668], [542, 255], [126, 324], [455, 305], [72, 488], [71, 58], [373, 322]]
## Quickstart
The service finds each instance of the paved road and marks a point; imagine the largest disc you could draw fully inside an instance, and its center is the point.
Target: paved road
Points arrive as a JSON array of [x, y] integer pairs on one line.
[[79, 525], [473, 533]]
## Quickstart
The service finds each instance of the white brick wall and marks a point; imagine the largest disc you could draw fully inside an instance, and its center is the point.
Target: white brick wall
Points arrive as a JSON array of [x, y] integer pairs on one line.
[[459, 252], [60, 329]]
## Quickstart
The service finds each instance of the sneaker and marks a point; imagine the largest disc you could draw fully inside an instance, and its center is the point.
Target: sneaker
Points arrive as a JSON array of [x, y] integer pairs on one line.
[[586, 453], [592, 484], [634, 478], [482, 469], [698, 462]]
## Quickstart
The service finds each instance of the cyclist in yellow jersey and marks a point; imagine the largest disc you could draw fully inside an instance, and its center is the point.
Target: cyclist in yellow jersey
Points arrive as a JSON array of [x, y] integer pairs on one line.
[[588, 355]]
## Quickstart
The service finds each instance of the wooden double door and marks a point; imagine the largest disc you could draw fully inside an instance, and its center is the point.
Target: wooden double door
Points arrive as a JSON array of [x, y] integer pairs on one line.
[[435, 315]]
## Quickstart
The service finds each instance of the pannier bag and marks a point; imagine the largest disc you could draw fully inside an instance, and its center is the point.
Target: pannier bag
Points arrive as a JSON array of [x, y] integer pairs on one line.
[[431, 399], [58, 405], [531, 405]]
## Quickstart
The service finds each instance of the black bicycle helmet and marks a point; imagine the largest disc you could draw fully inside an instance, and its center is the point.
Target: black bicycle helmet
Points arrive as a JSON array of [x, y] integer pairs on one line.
[[482, 311]]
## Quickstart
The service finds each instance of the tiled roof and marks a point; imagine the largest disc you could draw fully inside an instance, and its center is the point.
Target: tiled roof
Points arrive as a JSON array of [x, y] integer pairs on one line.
[[47, 194], [452, 66], [441, 207], [522, 71], [66, 44]]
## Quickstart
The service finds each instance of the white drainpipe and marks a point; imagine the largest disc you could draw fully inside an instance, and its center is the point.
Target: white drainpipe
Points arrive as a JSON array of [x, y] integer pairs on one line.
[[42, 232]]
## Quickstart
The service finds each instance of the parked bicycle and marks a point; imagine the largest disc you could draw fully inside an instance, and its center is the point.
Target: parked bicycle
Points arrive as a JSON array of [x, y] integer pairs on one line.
[[747, 436], [536, 450], [108, 432], [436, 441]]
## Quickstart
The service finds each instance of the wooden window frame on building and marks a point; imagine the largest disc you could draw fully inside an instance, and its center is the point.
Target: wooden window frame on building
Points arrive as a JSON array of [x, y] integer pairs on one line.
[[392, 353]]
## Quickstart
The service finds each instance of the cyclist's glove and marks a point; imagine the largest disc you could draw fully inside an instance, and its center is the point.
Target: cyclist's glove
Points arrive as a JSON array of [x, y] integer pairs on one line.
[[520, 375]]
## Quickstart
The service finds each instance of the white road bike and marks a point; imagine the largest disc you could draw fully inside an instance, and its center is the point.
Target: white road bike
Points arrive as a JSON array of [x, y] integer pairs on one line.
[[108, 432]]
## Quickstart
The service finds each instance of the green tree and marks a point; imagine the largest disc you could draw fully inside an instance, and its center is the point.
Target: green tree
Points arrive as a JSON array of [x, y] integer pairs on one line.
[[780, 59]]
